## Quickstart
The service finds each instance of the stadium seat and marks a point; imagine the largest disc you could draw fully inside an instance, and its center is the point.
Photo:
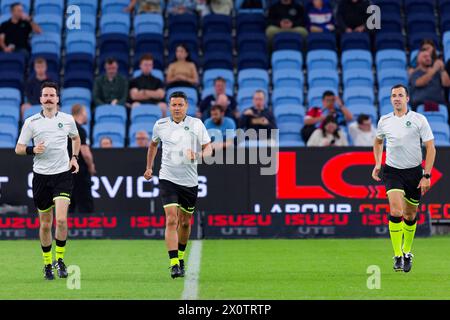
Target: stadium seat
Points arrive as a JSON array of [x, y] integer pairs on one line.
[[371, 111], [5, 17], [188, 39], [290, 130], [88, 24], [420, 22], [216, 23], [211, 74], [10, 97], [287, 59], [415, 39], [446, 40], [289, 113], [251, 42], [110, 114], [441, 131], [8, 135], [46, 43], [53, 7], [444, 6], [321, 59], [217, 60], [6, 4], [445, 21], [435, 116], [290, 143], [141, 126], [390, 58], [315, 95], [114, 6], [49, 22], [389, 41], [388, 5], [79, 62], [148, 23], [250, 23], [321, 41], [115, 23], [88, 7], [355, 40], [358, 78], [385, 109], [145, 113], [112, 43], [80, 42], [288, 79], [13, 62], [239, 3], [391, 77], [81, 79], [11, 79], [288, 41], [253, 78], [281, 96], [70, 96], [150, 43], [384, 96], [183, 23], [218, 42], [245, 98], [356, 59], [418, 7], [391, 22], [323, 78], [252, 60], [9, 115], [359, 96], [31, 111], [115, 131]]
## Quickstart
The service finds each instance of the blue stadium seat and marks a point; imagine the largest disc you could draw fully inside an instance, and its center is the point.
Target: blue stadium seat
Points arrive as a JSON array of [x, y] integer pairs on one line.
[[141, 126], [321, 59], [8, 135], [359, 96], [218, 42], [251, 42], [288, 41], [87, 7], [211, 74], [81, 79], [11, 79], [148, 23], [252, 60], [391, 77], [79, 62], [419, 7], [323, 78], [415, 39], [150, 43], [441, 132], [356, 59], [9, 115], [250, 23], [5, 17], [384, 96], [390, 58], [114, 6], [385, 109], [49, 22], [115, 131], [245, 98], [290, 131], [10, 97], [390, 22], [315, 95], [420, 22], [217, 23], [444, 6], [388, 5], [55, 7], [358, 78], [6, 4], [190, 40], [183, 23], [288, 79], [435, 116], [355, 40], [112, 43], [446, 40], [389, 41], [282, 96], [46, 43], [88, 24], [287, 59], [217, 60], [13, 62], [145, 113], [31, 111], [290, 143], [289, 113], [115, 23], [253, 78], [110, 114], [371, 111], [321, 41], [445, 21], [81, 42], [70, 96]]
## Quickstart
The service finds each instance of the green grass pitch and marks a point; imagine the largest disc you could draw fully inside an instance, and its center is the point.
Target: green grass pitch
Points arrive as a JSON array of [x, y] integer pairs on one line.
[[231, 269]]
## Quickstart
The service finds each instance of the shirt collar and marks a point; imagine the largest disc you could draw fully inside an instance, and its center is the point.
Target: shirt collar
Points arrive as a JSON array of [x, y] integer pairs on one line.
[[42, 114], [182, 121]]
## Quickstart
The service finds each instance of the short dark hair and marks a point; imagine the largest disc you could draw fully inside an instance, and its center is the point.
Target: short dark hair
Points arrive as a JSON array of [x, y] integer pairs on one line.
[[178, 94], [146, 56], [362, 117], [401, 86], [260, 91], [216, 107], [50, 84], [110, 60], [13, 5], [77, 108], [219, 78], [327, 93]]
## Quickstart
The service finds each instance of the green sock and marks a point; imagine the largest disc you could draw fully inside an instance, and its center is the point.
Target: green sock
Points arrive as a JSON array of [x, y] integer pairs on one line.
[[47, 254], [396, 232], [409, 229], [181, 251]]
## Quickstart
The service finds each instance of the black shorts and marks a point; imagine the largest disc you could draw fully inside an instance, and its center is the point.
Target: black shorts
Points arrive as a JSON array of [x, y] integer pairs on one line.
[[405, 180], [48, 188], [175, 195]]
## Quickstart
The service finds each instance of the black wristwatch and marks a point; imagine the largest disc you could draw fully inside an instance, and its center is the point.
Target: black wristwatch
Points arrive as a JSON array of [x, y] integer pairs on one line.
[[427, 176], [75, 156]]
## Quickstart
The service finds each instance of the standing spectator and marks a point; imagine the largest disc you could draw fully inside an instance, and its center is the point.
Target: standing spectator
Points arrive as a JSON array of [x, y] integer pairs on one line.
[[181, 7], [82, 200], [112, 87], [106, 143], [428, 81], [145, 6], [218, 122], [228, 103], [320, 16], [147, 88], [182, 72], [352, 15], [142, 139], [14, 33], [33, 84], [328, 135], [362, 131], [258, 117], [286, 16]]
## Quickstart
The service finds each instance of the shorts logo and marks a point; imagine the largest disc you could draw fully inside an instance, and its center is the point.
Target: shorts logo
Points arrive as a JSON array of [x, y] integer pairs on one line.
[[60, 125], [408, 124]]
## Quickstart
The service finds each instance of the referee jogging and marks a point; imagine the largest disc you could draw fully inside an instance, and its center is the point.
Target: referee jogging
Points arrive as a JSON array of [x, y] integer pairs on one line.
[[52, 177], [403, 175]]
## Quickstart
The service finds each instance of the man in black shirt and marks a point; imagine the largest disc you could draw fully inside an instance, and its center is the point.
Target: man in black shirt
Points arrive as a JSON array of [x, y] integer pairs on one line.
[[258, 117], [82, 200], [352, 15], [147, 88], [14, 33]]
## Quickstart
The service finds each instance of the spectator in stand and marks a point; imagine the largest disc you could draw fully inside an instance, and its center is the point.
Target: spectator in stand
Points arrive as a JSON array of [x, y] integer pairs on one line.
[[14, 33], [224, 7], [258, 117], [142, 139], [106, 143], [352, 15], [320, 16], [218, 125], [286, 16], [328, 135], [362, 131], [228, 103], [145, 6], [181, 7], [426, 45], [182, 72], [112, 87], [331, 105], [146, 88], [428, 81], [33, 84]]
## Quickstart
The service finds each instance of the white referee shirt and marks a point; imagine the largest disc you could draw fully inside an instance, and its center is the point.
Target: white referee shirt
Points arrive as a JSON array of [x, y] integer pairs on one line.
[[403, 135], [54, 132], [176, 139]]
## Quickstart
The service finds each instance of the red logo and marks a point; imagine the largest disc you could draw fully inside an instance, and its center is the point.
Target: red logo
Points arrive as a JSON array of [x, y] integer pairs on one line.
[[239, 220]]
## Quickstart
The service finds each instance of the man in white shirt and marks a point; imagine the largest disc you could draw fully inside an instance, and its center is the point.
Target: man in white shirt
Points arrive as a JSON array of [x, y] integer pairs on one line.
[[362, 131], [403, 175], [181, 137]]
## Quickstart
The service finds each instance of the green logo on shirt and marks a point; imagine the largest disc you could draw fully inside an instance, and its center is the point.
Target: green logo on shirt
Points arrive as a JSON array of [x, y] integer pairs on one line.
[[408, 124], [60, 125], [186, 128]]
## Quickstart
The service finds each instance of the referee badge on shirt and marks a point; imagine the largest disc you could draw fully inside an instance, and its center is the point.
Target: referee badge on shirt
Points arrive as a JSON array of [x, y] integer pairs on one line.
[[60, 125], [186, 128], [408, 124]]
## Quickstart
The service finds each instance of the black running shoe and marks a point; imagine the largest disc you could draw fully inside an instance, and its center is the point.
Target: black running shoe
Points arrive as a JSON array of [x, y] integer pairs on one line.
[[175, 271], [398, 263], [182, 268], [407, 262], [48, 272], [60, 268]]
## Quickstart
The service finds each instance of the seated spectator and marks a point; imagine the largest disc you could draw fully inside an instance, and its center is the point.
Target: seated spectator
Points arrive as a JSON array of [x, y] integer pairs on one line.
[[181, 6], [146, 88], [182, 72], [224, 7], [286, 16], [362, 131], [142, 139], [426, 45], [258, 117], [106, 143], [428, 81], [225, 125], [145, 6], [352, 15], [112, 87], [320, 16], [15, 32], [328, 134], [228, 103], [33, 84], [331, 105]]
